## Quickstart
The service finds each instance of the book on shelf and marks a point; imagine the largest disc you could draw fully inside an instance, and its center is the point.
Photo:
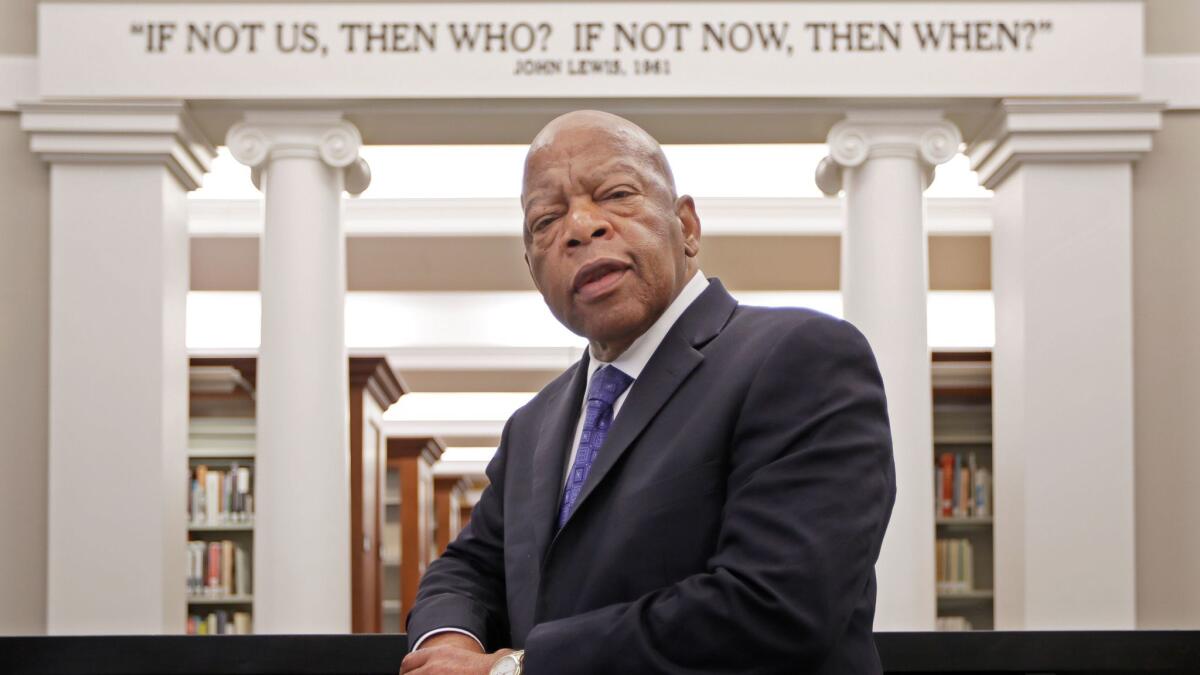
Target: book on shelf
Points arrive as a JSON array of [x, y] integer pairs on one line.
[[217, 569], [955, 566], [953, 623], [219, 622], [221, 496], [963, 489]]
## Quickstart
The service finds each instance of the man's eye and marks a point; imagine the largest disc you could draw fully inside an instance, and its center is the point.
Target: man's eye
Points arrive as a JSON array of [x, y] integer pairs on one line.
[[619, 194], [540, 223]]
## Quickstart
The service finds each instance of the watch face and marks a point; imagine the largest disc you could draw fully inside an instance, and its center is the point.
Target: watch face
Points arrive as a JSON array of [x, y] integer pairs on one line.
[[505, 666]]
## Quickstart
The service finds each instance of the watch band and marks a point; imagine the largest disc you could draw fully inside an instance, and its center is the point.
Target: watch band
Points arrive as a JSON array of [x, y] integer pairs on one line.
[[509, 664]]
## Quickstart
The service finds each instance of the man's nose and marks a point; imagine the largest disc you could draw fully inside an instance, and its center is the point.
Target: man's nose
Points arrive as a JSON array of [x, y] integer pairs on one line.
[[584, 223]]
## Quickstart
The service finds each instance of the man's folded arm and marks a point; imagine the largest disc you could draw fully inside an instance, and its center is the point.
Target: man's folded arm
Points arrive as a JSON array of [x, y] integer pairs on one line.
[[811, 487], [464, 588], [438, 631]]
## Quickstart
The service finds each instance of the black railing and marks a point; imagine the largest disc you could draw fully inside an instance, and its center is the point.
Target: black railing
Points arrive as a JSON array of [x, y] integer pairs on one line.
[[984, 652]]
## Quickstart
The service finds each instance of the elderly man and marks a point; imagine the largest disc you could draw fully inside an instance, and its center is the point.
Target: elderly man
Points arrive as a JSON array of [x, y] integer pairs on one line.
[[705, 491]]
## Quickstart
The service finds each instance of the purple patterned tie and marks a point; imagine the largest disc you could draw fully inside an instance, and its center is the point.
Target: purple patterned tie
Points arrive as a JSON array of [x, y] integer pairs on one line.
[[606, 387]]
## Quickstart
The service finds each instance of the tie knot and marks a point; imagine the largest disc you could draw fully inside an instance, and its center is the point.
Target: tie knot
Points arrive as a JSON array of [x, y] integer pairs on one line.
[[608, 384]]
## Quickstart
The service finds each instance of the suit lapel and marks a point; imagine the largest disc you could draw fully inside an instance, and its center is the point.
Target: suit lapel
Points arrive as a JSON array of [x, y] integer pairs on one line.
[[672, 362], [554, 438]]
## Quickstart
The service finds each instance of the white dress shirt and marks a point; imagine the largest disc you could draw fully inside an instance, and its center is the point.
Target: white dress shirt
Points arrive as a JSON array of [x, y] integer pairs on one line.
[[631, 362]]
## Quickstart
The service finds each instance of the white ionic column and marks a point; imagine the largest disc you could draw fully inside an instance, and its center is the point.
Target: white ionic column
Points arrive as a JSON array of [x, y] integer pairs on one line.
[[119, 176], [1063, 363], [884, 160], [302, 162]]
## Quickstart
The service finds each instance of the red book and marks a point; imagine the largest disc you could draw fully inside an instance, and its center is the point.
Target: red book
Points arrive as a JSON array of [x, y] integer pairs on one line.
[[214, 566], [947, 486]]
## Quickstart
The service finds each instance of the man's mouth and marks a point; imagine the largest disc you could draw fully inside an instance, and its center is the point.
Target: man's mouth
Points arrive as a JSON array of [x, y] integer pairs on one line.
[[598, 277]]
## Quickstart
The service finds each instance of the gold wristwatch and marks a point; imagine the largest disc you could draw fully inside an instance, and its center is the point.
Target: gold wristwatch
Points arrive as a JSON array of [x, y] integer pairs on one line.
[[509, 664]]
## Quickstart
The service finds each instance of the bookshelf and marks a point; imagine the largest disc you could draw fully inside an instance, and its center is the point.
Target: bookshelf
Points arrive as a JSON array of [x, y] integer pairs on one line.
[[374, 386], [963, 508], [410, 522], [449, 497], [392, 619], [220, 526]]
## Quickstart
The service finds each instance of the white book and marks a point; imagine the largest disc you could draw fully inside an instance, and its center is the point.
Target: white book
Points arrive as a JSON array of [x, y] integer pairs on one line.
[[241, 571], [983, 493], [243, 491], [212, 497]]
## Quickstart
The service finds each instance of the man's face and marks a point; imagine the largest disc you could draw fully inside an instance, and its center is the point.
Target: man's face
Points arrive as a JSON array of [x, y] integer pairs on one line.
[[604, 238]]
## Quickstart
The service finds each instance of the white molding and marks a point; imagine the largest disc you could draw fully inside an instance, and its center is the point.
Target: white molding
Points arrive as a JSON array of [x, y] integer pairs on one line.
[[1173, 79], [135, 133], [486, 217], [555, 359], [1028, 130], [463, 469], [18, 80], [262, 136], [442, 428], [464, 358], [865, 133]]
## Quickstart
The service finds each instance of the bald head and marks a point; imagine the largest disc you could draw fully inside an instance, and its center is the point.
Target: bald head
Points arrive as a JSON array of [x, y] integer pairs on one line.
[[608, 242], [625, 137]]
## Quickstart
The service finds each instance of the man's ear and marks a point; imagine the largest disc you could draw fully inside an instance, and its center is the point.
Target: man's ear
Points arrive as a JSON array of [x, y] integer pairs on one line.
[[689, 220], [529, 266]]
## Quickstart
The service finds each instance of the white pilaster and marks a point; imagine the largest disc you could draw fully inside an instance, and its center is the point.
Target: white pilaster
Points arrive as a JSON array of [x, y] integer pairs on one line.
[[302, 162], [885, 160], [118, 363], [1063, 361]]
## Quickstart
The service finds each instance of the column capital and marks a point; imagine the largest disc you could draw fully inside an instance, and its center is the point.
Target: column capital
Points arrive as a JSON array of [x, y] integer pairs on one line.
[[127, 133], [922, 135], [263, 136], [1061, 130]]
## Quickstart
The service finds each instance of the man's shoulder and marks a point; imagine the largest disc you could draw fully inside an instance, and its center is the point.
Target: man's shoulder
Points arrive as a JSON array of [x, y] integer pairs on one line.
[[553, 389], [776, 323]]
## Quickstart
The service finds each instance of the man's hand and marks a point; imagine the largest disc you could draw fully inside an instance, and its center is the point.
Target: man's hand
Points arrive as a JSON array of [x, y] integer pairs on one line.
[[450, 654]]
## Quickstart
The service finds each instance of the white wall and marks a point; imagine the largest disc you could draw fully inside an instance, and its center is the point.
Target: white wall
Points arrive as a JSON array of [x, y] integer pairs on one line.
[[1166, 301], [24, 325]]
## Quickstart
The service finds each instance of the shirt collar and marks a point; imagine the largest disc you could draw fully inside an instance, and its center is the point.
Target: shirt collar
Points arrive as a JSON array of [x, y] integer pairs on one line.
[[634, 359]]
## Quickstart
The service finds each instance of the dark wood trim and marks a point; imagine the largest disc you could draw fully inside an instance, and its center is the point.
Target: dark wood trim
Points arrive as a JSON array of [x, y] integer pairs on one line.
[[961, 355], [449, 493], [429, 449], [376, 375], [374, 387], [413, 459], [246, 365]]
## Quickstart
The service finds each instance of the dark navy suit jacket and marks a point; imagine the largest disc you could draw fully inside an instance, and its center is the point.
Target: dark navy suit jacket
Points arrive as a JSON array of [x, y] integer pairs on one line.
[[730, 524]]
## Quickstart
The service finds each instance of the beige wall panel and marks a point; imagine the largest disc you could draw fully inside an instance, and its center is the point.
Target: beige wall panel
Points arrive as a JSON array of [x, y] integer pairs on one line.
[[1172, 26], [752, 263], [772, 263], [437, 264], [1166, 304], [960, 263], [478, 380], [24, 338], [18, 27], [224, 263]]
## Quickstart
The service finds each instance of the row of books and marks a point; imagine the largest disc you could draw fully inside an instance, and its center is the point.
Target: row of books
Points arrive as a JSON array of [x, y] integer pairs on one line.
[[962, 489], [953, 623], [955, 566], [220, 622], [217, 568], [221, 497]]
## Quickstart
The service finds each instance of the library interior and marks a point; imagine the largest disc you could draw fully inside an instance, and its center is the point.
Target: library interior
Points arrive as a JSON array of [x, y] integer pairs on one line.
[[265, 310]]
